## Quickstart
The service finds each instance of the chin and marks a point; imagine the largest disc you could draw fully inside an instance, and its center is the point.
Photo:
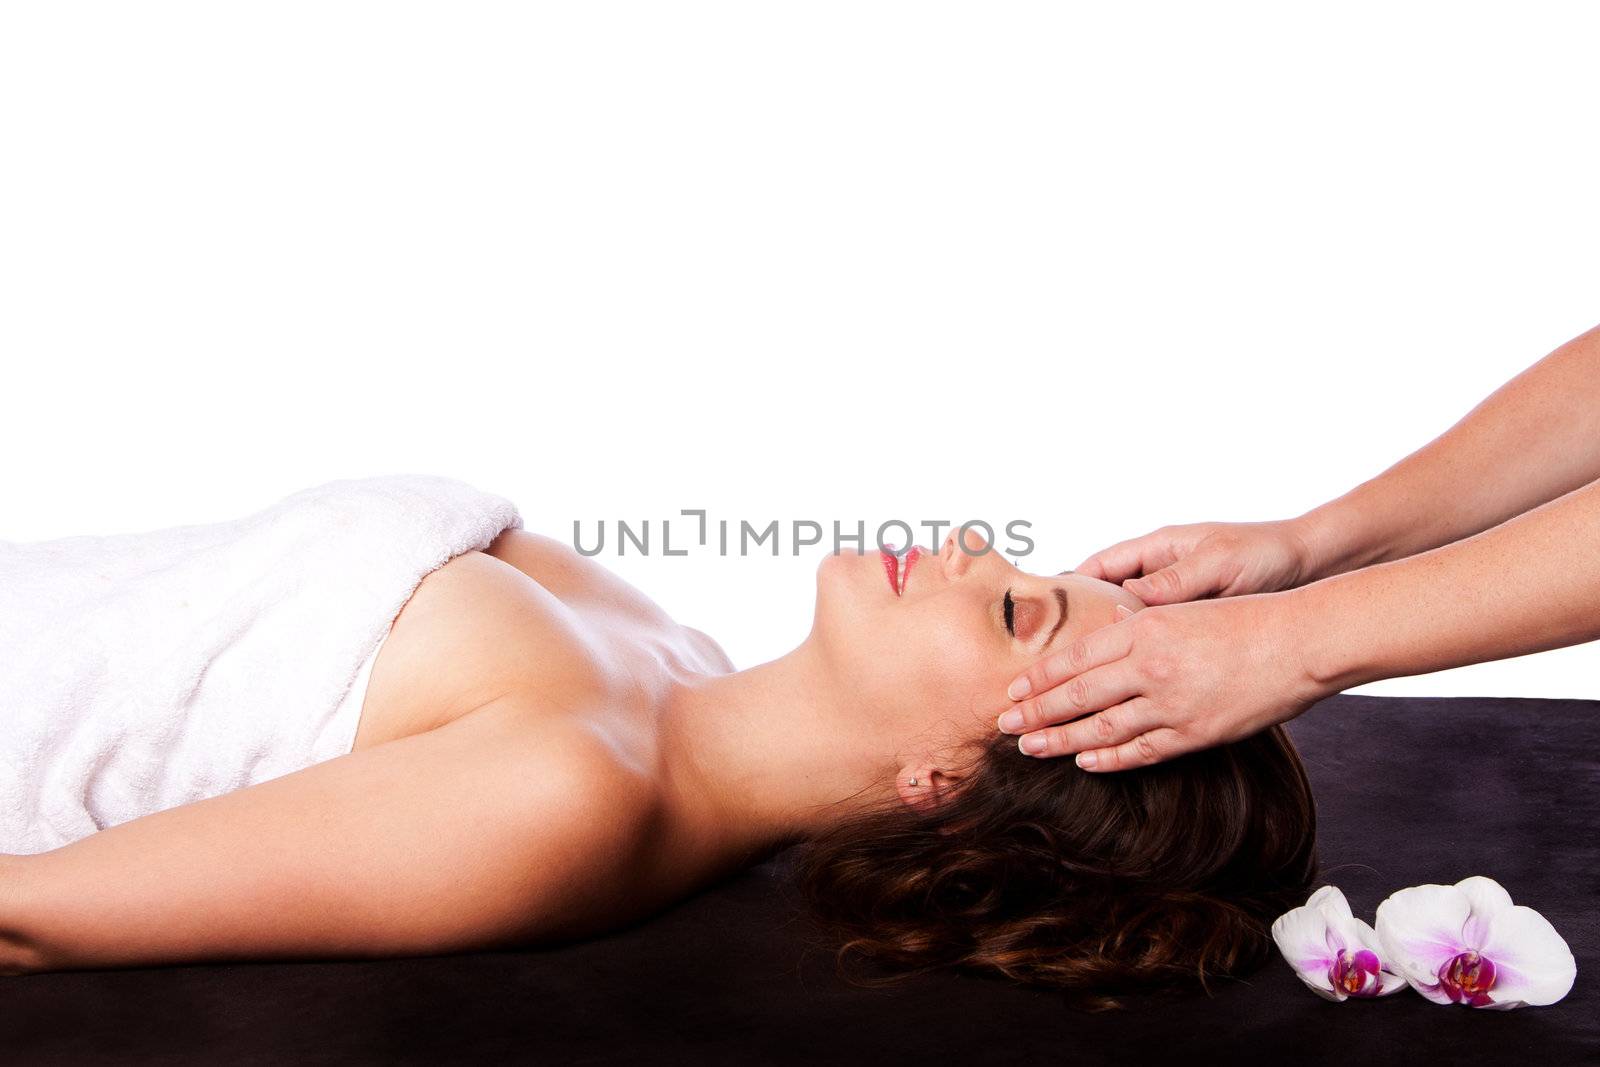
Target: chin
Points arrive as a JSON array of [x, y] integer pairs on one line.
[[837, 583], [845, 618], [847, 577]]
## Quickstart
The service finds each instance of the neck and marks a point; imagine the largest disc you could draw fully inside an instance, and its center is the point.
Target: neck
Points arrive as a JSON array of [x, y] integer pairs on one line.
[[762, 758]]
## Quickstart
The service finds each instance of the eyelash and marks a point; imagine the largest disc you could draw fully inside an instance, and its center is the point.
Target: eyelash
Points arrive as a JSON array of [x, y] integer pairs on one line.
[[1011, 614]]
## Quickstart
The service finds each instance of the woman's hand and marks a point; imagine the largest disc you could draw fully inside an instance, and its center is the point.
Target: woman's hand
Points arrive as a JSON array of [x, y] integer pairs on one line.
[[1166, 681], [1203, 559]]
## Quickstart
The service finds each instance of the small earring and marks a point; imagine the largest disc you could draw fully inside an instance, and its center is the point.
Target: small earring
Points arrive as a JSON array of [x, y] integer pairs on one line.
[[913, 781]]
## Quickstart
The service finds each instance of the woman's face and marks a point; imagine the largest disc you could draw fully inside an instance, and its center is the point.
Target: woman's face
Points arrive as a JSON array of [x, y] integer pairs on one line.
[[946, 644]]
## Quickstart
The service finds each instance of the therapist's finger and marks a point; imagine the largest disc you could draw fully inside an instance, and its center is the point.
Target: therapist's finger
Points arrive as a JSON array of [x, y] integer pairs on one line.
[[1090, 691], [1127, 559], [1117, 723], [1153, 746], [1091, 650], [1198, 574]]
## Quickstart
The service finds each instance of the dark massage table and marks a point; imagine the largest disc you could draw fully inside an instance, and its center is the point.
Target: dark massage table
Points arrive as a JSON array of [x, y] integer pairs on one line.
[[1409, 791]]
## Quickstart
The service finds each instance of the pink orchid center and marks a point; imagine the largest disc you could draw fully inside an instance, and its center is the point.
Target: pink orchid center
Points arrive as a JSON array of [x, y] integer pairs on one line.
[[1468, 978], [1355, 974]]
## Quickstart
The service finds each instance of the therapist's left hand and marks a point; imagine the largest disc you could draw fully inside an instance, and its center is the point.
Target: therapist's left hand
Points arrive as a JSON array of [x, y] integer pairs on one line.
[[1167, 680]]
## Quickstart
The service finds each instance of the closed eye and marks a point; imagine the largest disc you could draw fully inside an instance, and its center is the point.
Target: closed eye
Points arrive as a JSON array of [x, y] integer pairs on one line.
[[1009, 606]]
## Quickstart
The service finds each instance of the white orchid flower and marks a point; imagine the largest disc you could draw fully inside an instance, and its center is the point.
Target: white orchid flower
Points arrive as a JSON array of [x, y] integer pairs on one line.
[[1332, 951], [1468, 944]]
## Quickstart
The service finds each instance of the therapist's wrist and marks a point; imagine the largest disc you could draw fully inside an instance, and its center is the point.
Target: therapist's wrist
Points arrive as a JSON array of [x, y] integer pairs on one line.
[[1336, 538], [1331, 638]]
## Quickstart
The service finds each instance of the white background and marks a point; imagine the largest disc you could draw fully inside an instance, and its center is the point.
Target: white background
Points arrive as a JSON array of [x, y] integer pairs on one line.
[[1101, 267]]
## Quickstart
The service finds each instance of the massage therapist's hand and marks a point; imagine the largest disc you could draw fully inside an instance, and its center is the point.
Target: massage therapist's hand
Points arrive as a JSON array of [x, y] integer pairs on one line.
[[1165, 681], [1178, 563]]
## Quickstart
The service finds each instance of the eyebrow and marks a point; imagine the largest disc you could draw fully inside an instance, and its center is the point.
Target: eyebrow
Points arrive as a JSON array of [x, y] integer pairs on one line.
[[1061, 599]]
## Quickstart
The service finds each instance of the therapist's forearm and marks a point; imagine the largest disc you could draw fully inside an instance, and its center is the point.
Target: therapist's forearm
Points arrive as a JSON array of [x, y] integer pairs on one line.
[[1533, 439], [1529, 584]]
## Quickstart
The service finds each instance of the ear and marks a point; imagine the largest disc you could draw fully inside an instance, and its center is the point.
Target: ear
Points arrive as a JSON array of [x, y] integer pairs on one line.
[[931, 785]]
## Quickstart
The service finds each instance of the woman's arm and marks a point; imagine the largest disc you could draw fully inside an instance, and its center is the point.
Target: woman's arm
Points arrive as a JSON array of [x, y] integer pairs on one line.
[[476, 833], [1533, 439], [1527, 585]]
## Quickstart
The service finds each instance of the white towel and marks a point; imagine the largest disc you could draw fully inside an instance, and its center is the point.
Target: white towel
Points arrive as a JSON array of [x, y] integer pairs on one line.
[[143, 671]]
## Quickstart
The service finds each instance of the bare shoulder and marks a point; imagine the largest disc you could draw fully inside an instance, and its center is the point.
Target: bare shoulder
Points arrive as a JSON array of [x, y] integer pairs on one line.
[[571, 767], [590, 815]]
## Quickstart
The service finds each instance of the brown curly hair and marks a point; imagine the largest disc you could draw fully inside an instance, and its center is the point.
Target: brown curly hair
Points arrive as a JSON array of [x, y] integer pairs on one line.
[[1095, 883]]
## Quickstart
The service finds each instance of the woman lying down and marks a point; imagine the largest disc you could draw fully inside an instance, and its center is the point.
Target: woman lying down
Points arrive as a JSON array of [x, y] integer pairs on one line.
[[380, 718]]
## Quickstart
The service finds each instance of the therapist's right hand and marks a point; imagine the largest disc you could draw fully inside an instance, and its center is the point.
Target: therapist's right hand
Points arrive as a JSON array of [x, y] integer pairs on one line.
[[1204, 559]]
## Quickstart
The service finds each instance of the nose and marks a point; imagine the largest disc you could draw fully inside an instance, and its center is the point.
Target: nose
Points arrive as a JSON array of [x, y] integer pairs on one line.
[[961, 548]]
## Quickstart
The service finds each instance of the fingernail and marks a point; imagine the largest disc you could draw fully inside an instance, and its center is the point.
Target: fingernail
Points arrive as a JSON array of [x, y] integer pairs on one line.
[[1011, 721], [1032, 744], [1087, 760], [1123, 611], [1019, 689]]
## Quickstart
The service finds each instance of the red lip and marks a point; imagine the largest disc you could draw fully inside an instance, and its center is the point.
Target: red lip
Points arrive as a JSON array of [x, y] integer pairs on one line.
[[898, 569], [911, 557]]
